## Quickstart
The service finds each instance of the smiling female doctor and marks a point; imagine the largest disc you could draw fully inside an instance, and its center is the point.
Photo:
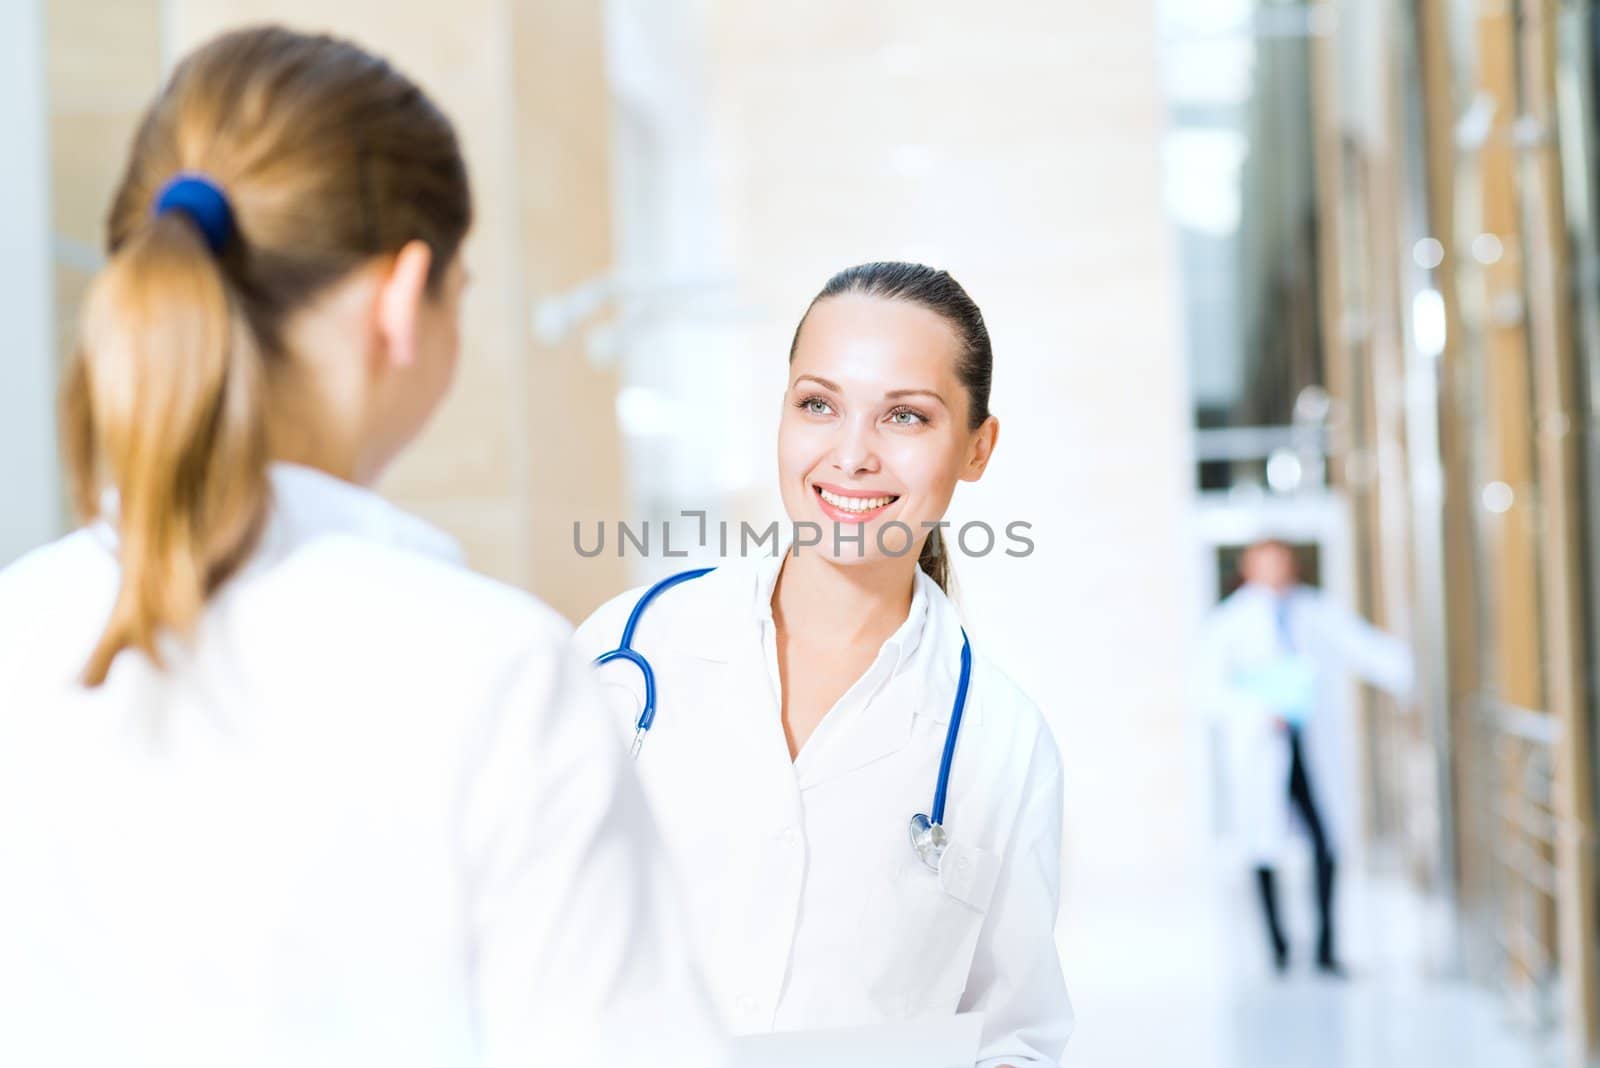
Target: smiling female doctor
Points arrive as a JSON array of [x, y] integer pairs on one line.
[[803, 704]]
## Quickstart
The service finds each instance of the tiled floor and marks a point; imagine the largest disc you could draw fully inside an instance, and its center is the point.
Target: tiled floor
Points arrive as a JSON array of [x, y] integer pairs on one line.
[[1175, 975]]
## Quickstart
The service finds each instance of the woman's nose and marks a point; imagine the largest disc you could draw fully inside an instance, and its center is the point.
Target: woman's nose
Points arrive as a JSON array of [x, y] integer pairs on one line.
[[855, 451]]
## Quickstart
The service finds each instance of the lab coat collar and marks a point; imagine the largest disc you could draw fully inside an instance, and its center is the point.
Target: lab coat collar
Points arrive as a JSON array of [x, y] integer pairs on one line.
[[911, 705], [1257, 589], [732, 603], [721, 620], [724, 622], [902, 643], [307, 503]]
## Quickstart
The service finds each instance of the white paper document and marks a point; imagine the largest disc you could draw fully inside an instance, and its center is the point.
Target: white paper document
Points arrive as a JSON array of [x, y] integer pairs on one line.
[[934, 1042]]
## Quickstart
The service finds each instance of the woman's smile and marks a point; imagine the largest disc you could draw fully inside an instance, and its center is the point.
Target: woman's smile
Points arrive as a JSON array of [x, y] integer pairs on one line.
[[852, 506]]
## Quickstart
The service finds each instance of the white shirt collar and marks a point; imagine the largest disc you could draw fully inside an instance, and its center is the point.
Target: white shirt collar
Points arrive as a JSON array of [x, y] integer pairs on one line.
[[308, 502], [901, 644]]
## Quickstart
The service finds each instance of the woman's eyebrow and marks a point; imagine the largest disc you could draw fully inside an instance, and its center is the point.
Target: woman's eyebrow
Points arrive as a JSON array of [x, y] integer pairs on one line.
[[894, 393]]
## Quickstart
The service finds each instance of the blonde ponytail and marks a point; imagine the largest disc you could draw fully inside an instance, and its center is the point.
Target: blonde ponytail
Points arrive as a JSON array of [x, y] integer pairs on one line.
[[165, 404], [272, 165]]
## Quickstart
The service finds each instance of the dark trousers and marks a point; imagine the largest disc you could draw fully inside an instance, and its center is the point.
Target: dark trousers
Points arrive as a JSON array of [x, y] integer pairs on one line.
[[1300, 796]]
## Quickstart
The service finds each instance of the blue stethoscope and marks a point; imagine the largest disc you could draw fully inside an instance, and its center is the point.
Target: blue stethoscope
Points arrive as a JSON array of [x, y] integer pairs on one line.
[[928, 835]]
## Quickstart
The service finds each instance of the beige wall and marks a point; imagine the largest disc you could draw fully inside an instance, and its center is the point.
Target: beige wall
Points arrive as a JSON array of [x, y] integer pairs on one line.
[[526, 441], [103, 64], [1018, 149], [573, 449]]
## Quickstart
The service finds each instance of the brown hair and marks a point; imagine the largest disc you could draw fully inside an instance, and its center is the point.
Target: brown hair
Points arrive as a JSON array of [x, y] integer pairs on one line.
[[328, 157], [941, 294]]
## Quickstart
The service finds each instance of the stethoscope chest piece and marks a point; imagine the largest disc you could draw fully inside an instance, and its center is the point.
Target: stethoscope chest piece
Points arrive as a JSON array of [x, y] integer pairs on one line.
[[929, 840]]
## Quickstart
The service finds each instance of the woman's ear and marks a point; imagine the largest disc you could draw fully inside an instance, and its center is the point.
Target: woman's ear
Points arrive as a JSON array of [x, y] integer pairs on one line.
[[400, 296], [983, 442]]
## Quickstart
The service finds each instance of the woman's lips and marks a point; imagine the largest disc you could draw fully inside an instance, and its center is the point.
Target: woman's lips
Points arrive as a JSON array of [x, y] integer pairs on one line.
[[852, 507]]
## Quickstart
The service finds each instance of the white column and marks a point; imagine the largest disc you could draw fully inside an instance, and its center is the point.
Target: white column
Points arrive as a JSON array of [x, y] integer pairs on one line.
[[30, 483]]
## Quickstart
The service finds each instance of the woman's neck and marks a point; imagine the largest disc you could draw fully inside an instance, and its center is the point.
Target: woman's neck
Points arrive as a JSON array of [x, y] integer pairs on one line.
[[299, 434], [323, 460], [822, 603]]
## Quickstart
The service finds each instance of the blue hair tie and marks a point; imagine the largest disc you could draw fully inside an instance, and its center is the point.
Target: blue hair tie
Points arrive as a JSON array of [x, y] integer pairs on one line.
[[204, 202]]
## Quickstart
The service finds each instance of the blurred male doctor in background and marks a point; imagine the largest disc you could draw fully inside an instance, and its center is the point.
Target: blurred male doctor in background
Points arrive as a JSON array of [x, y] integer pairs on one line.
[[1272, 657]]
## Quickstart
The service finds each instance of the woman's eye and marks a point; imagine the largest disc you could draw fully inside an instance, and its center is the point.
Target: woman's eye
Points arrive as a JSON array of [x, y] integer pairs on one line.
[[815, 406], [906, 417]]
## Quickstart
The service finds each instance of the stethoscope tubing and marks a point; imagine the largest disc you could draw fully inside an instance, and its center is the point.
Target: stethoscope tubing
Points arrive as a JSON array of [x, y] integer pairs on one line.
[[625, 651], [941, 788], [647, 715]]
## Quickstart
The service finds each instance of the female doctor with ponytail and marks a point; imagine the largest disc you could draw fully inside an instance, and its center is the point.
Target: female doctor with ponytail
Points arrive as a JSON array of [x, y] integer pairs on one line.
[[803, 710], [281, 783]]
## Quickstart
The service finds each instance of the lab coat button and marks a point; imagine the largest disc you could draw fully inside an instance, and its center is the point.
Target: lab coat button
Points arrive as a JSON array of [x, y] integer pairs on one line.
[[747, 1005], [787, 836]]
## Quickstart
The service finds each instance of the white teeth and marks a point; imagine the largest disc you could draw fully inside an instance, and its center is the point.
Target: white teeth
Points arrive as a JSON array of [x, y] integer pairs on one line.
[[854, 504]]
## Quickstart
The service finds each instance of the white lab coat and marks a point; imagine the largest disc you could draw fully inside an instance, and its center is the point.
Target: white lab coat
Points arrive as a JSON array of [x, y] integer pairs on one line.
[[369, 817], [809, 906], [1241, 635]]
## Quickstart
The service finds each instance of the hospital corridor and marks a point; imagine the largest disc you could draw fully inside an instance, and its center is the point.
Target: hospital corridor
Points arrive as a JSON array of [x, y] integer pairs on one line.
[[1215, 1005], [1124, 474]]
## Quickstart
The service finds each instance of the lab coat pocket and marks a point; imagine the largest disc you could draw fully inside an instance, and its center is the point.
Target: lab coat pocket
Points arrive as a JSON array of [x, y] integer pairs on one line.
[[920, 929]]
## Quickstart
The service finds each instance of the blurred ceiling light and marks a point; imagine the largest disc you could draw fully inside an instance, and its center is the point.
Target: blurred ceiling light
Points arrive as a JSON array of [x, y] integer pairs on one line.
[[1284, 472], [1429, 253], [1312, 405], [1498, 498], [1486, 249], [1428, 323]]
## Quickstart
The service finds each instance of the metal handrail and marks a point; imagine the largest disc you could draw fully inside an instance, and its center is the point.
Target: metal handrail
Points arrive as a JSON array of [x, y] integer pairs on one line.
[[1517, 827], [1539, 823], [1537, 871]]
